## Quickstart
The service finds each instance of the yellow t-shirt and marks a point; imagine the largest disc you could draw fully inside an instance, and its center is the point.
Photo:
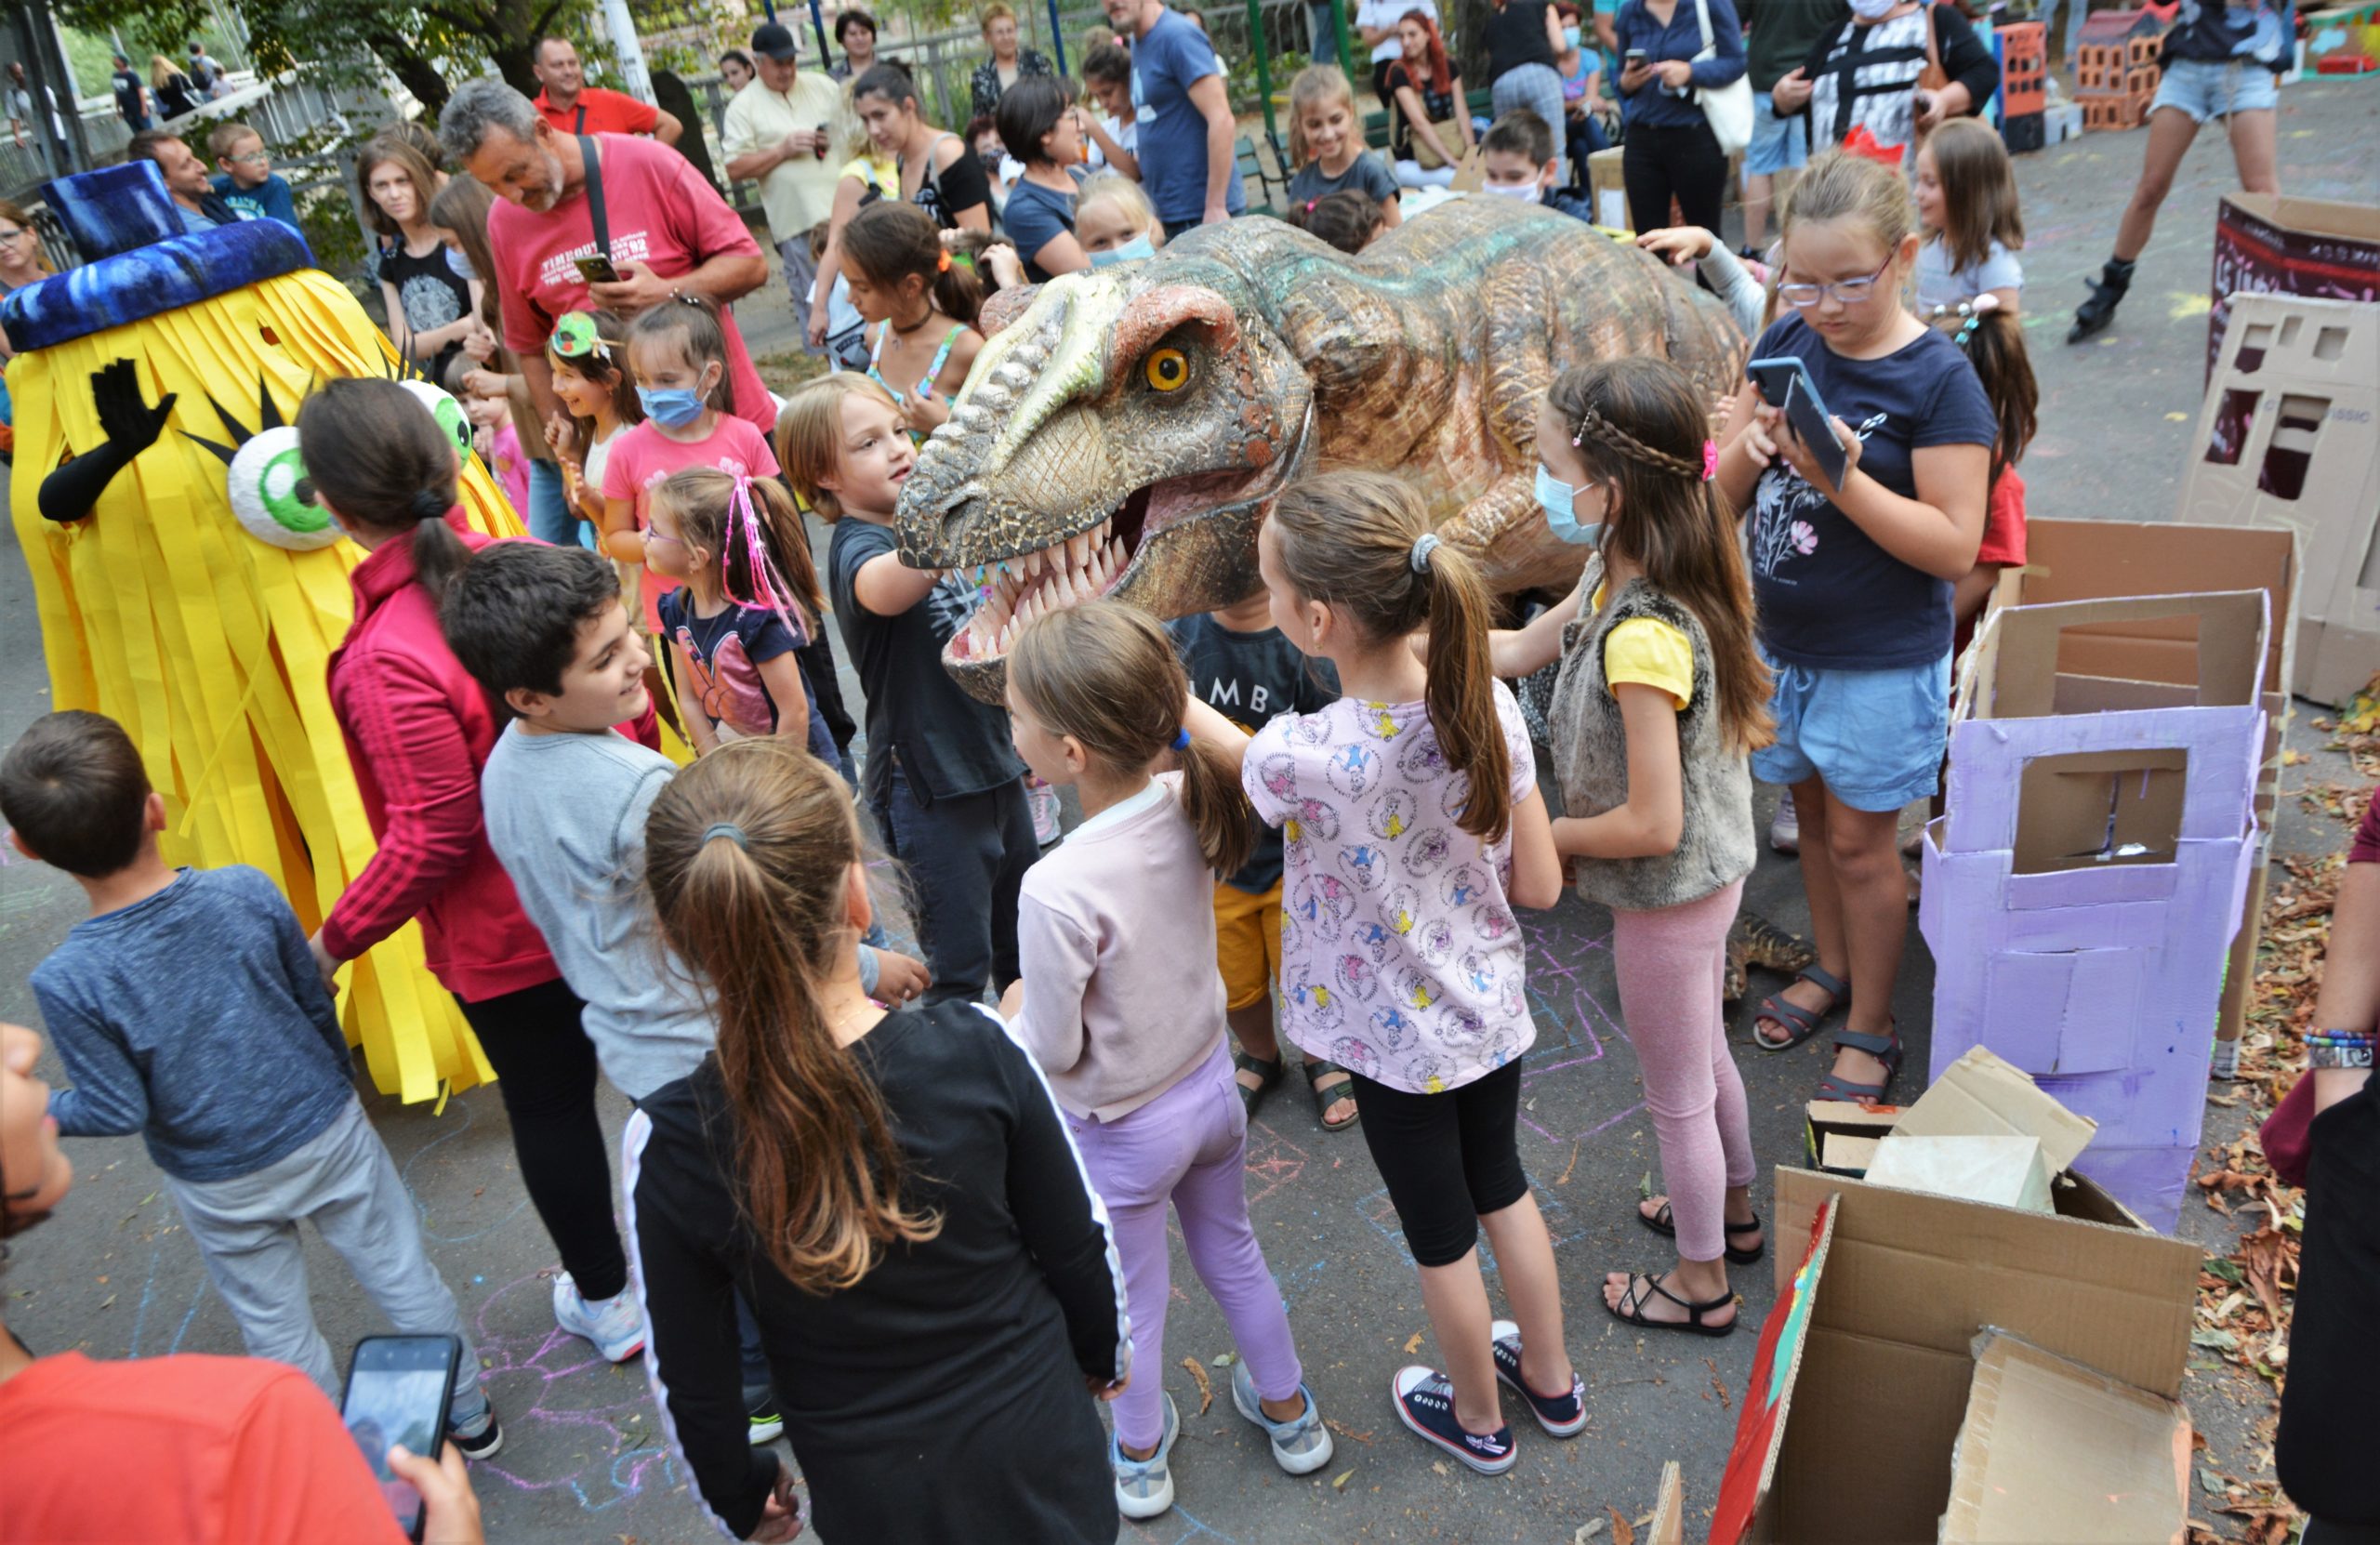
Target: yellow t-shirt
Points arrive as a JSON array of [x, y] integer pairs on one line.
[[1650, 653], [881, 172]]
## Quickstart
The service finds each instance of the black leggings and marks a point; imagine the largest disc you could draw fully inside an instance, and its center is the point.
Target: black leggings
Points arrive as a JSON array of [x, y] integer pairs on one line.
[[1449, 1159], [545, 1070], [1659, 162]]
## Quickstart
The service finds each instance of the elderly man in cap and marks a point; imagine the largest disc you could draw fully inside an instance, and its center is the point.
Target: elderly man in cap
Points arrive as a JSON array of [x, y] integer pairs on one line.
[[777, 133]]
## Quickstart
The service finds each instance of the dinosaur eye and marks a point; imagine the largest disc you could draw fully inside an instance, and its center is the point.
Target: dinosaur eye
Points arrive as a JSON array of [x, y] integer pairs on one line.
[[1168, 370]]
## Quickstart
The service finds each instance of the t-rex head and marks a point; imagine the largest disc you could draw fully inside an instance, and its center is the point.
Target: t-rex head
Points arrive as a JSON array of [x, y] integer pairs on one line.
[[1124, 436]]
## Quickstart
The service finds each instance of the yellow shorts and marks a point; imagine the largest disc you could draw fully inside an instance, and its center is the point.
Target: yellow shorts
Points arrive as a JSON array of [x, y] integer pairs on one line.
[[1247, 943]]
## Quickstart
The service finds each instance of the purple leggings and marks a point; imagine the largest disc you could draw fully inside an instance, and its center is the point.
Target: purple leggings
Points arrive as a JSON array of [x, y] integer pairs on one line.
[[1188, 1146], [1673, 964]]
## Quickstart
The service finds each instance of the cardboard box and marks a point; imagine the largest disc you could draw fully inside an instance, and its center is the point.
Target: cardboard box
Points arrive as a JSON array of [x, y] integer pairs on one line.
[[2094, 559], [2289, 439], [2266, 244], [2007, 1172], [1605, 195], [2082, 894], [2051, 1450], [1861, 1378]]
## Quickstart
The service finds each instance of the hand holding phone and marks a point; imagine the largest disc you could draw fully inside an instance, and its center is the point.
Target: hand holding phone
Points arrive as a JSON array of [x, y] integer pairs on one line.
[[1785, 384], [398, 1391]]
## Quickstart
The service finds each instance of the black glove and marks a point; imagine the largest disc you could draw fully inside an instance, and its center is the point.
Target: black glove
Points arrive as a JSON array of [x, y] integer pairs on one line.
[[131, 427]]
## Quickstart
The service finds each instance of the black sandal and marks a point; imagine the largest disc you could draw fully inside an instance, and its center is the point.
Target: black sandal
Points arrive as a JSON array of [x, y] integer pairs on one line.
[[1267, 1075], [1663, 1224], [1326, 1097], [1642, 1285], [1800, 1024]]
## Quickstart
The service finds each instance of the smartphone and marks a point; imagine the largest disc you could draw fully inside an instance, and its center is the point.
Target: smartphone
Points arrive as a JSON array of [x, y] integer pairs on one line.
[[822, 141], [1634, 56], [597, 270], [398, 1389], [1785, 383]]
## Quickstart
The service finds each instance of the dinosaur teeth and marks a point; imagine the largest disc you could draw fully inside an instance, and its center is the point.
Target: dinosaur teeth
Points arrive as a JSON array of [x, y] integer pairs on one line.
[[1117, 556], [1074, 546]]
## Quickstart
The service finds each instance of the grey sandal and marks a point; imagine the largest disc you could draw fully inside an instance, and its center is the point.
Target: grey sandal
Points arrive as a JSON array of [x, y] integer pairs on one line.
[[1800, 1024], [1886, 1049], [1326, 1097], [1267, 1075]]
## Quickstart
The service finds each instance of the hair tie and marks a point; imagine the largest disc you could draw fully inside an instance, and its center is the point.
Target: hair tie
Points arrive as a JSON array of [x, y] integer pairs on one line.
[[942, 263], [1710, 459], [1182, 738], [428, 505], [729, 830], [1423, 545]]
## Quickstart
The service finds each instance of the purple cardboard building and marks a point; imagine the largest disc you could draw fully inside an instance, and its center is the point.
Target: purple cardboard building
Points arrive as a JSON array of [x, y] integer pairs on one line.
[[2081, 892]]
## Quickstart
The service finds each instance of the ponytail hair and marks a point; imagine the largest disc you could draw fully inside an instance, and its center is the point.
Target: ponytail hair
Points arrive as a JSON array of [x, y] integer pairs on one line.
[[748, 856], [1994, 342], [1105, 674], [892, 240], [1361, 543], [375, 454], [752, 530]]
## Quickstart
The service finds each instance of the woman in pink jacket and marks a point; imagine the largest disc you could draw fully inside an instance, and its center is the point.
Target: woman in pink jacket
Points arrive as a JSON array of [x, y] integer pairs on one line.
[[418, 731]]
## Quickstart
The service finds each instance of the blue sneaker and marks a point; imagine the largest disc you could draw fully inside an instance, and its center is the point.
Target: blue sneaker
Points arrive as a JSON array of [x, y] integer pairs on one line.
[[1562, 1415], [1145, 1487], [615, 1325], [1425, 1403], [1302, 1444]]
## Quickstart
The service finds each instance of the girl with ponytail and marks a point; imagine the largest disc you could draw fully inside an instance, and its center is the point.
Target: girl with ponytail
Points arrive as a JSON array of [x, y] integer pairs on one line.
[[1121, 1004], [921, 304], [1413, 827], [1661, 698], [933, 1281], [419, 729]]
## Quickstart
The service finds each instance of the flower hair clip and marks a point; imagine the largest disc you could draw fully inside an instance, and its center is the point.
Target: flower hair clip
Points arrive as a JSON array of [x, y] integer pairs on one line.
[[1710, 459], [1973, 311]]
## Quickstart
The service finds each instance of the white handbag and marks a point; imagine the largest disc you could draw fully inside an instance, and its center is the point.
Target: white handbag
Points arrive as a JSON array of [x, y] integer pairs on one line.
[[1727, 107]]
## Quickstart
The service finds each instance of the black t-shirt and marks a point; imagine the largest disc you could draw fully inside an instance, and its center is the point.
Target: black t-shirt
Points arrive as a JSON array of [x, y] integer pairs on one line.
[[1516, 37], [1827, 597], [128, 96], [957, 187], [1439, 106], [1250, 678], [174, 97], [988, 1329], [947, 743], [433, 294]]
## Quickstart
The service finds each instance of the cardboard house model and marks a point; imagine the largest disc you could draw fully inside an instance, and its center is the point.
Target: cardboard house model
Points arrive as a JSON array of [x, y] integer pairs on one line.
[[2082, 894]]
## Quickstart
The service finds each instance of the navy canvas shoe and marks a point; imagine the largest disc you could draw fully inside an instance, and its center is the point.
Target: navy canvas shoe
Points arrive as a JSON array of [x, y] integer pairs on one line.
[[1425, 1403], [1562, 1415]]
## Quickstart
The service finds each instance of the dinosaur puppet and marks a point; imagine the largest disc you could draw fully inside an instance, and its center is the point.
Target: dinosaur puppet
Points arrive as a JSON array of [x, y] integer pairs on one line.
[[1126, 433]]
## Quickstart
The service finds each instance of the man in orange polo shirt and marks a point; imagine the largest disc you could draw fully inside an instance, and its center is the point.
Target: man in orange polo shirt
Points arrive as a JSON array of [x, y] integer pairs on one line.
[[574, 107]]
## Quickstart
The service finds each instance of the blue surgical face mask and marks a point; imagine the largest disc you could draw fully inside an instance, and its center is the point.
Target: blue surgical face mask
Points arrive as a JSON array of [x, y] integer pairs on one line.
[[460, 266], [1137, 247], [1570, 36], [671, 408], [1555, 497]]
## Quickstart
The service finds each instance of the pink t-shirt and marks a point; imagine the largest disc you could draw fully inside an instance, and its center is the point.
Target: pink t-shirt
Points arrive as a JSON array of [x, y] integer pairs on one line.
[[1400, 957], [511, 467], [658, 214], [642, 457]]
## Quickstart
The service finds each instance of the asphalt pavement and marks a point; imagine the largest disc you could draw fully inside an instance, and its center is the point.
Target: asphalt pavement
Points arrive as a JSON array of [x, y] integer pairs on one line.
[[115, 1275]]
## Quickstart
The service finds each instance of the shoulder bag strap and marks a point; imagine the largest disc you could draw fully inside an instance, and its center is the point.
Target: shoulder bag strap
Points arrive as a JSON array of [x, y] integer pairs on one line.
[[592, 158], [1703, 19]]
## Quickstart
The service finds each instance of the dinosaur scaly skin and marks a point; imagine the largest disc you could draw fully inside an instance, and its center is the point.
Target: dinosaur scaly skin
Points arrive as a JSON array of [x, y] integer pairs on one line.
[[1127, 432]]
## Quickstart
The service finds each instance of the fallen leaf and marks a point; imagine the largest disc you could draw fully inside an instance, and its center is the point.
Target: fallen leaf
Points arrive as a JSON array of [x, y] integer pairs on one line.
[[1644, 1187], [1413, 1343], [2209, 1481], [1718, 1385], [1622, 1531], [1198, 1377], [1586, 1531], [1564, 1178], [105, 1301], [1339, 1482], [2178, 418], [1440, 1465], [2221, 1341], [1225, 1359], [1344, 1431], [2228, 1270]]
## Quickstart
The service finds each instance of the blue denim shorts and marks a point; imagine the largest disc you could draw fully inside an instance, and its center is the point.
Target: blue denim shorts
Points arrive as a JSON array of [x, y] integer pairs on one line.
[[1874, 737], [1778, 144], [2205, 89]]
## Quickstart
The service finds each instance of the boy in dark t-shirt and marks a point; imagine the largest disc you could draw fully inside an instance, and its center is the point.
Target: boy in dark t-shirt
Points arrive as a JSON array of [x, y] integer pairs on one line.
[[1241, 666]]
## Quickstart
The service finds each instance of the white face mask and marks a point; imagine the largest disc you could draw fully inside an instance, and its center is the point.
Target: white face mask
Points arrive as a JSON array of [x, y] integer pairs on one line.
[[1872, 10], [1527, 192]]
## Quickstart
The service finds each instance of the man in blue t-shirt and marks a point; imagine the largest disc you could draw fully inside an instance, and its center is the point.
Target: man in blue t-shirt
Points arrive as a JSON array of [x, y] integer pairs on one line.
[[1187, 166]]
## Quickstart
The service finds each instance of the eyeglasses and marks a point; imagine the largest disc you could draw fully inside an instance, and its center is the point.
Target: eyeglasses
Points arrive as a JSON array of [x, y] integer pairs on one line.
[[1849, 291], [11, 236], [254, 158]]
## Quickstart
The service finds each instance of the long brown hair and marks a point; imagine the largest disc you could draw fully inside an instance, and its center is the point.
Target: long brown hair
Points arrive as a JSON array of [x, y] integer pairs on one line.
[[1346, 539], [461, 206], [1994, 342], [702, 500], [890, 241], [748, 853], [1439, 73], [374, 454], [15, 215], [809, 435], [1104, 673], [1978, 186], [1840, 186], [382, 149], [1641, 427]]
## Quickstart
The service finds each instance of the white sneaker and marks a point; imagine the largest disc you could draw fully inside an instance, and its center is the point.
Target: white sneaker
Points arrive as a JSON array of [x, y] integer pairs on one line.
[[1785, 831], [615, 1325], [1145, 1487], [1302, 1444]]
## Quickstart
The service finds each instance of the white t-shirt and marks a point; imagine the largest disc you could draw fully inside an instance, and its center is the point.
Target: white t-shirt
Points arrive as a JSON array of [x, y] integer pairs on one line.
[[599, 455], [1387, 13], [1126, 132], [1939, 284]]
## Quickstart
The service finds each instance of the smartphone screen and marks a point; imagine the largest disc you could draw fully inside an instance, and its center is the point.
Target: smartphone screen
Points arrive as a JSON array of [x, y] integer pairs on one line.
[[397, 1391], [597, 270], [1785, 384]]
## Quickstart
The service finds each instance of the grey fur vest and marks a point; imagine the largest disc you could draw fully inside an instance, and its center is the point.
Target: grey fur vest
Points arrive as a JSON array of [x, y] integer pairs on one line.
[[1590, 746]]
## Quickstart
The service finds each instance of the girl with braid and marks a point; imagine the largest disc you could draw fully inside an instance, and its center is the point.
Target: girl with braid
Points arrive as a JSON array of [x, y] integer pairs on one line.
[[1660, 700]]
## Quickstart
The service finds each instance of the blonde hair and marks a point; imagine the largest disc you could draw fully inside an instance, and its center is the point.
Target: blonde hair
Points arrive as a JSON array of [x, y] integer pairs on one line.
[[809, 435], [1105, 674], [1110, 187], [1978, 192], [1346, 539], [1319, 85], [1840, 186], [999, 10]]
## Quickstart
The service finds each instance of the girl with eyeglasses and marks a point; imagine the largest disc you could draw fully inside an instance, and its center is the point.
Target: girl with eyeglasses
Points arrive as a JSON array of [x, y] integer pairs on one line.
[[22, 261], [1853, 586]]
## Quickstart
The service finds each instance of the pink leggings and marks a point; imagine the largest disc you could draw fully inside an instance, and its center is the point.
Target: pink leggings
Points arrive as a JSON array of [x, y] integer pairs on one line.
[[1673, 966]]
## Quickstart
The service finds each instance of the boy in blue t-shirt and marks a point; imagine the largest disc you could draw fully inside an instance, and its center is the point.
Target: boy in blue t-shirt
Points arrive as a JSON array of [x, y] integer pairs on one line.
[[187, 1008], [247, 181], [1173, 68]]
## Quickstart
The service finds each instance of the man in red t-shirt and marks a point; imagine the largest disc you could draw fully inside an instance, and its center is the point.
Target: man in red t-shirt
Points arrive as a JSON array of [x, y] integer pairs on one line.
[[573, 106], [211, 1450], [671, 234]]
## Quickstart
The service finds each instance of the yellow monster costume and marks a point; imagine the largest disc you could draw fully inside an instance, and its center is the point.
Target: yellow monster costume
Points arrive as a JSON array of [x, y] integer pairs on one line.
[[161, 609]]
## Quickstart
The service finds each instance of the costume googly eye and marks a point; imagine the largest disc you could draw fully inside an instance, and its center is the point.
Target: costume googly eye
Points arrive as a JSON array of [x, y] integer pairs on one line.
[[265, 483], [451, 421]]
